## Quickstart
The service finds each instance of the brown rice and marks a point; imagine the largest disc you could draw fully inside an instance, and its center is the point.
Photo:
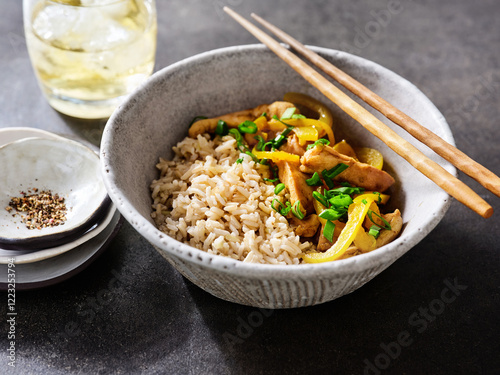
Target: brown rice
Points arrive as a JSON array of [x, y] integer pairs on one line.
[[209, 201]]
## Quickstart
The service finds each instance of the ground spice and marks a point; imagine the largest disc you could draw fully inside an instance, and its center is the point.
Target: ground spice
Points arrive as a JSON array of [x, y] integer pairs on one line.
[[42, 209]]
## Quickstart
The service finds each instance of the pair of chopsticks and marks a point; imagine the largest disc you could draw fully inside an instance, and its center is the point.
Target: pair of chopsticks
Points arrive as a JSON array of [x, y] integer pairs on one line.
[[410, 153]]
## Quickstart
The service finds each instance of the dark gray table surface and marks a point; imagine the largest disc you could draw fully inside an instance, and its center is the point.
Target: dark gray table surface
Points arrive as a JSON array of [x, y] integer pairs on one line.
[[131, 312]]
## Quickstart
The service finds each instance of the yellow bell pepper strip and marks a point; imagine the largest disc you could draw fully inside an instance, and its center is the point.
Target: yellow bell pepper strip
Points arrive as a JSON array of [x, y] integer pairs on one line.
[[345, 149], [357, 213], [316, 106], [370, 156], [261, 122], [276, 156], [306, 134], [301, 122]]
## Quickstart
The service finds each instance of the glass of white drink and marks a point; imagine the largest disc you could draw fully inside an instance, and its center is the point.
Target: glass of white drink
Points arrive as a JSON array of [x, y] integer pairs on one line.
[[88, 55]]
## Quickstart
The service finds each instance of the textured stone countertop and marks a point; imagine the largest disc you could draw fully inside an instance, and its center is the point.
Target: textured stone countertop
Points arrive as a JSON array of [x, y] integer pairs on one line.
[[131, 312]]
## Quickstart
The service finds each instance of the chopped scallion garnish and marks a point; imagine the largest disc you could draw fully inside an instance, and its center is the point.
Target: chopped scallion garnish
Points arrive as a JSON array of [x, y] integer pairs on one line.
[[260, 143], [279, 188], [338, 169], [374, 231], [364, 201], [332, 214], [221, 128], [298, 116], [287, 209], [386, 226], [254, 158], [239, 161], [315, 180], [341, 200], [249, 127], [321, 141], [327, 179], [329, 230], [288, 113], [320, 198], [296, 210], [279, 203]]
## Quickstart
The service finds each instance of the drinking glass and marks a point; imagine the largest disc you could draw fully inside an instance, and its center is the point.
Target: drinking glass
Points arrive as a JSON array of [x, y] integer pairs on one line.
[[88, 55]]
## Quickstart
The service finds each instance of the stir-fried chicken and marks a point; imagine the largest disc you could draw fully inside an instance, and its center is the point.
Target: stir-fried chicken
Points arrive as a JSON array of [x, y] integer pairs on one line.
[[234, 119], [359, 174], [295, 181]]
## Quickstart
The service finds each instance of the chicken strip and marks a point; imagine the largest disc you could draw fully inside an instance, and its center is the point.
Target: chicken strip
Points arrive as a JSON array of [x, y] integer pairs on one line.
[[234, 119], [293, 146], [306, 227], [358, 174], [295, 181], [396, 222]]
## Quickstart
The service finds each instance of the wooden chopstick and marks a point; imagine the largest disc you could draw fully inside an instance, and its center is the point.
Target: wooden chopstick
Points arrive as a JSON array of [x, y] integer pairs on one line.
[[415, 157], [459, 159]]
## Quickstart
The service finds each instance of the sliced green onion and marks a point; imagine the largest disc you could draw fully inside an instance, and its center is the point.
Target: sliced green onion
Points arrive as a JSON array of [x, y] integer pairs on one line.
[[332, 214], [260, 143], [321, 141], [264, 114], [320, 198], [329, 230], [279, 203], [340, 201], [249, 127], [236, 134], [386, 226], [296, 210], [327, 179], [298, 116], [288, 113], [344, 190], [239, 161], [379, 200], [338, 169], [221, 128], [364, 201], [239, 140], [315, 180], [374, 231], [280, 139], [270, 144], [283, 209], [279, 188], [287, 209], [197, 118], [254, 158]]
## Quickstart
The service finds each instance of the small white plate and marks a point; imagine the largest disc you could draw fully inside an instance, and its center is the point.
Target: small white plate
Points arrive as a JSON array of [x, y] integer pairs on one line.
[[30, 256], [61, 166], [59, 268]]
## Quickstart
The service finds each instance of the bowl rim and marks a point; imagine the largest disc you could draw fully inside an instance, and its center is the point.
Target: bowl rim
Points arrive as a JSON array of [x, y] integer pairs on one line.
[[168, 246]]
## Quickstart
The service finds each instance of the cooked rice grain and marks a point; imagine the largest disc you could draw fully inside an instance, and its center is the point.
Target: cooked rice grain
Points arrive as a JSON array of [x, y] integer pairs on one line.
[[207, 200]]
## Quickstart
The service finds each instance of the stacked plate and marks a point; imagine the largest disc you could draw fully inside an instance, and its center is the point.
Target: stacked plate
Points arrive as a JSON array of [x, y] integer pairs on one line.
[[70, 217]]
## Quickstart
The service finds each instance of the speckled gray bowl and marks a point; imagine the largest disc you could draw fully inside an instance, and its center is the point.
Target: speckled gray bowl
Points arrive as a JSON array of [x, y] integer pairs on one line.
[[157, 115]]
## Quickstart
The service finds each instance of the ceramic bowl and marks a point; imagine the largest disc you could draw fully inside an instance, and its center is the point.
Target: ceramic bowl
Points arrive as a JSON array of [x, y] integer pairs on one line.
[[157, 115], [58, 165]]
